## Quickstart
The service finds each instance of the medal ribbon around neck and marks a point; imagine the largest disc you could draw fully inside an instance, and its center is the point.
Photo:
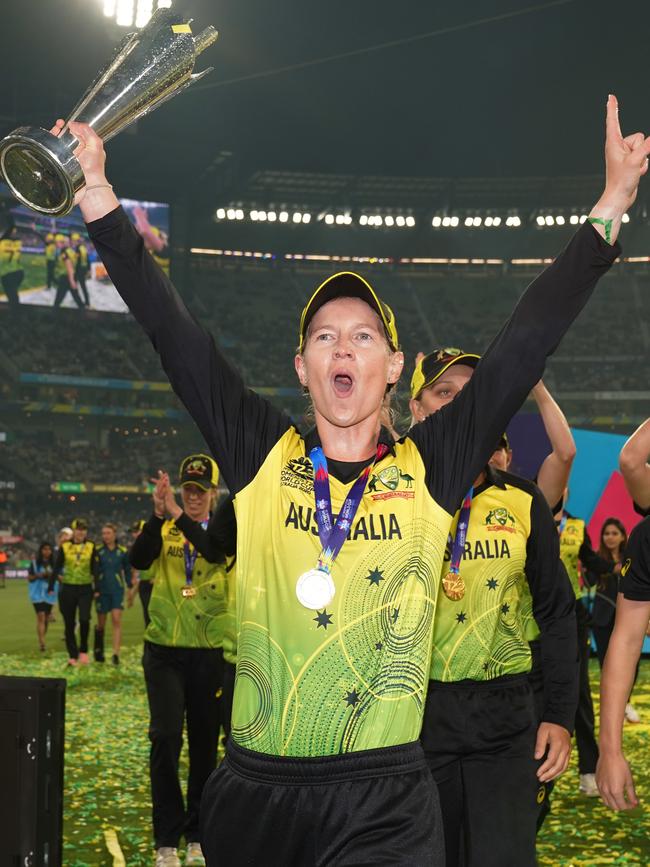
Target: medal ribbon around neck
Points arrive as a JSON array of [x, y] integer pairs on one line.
[[452, 584], [190, 553], [315, 589]]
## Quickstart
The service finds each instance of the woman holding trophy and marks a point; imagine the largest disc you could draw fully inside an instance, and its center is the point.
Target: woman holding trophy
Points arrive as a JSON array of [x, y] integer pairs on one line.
[[338, 584]]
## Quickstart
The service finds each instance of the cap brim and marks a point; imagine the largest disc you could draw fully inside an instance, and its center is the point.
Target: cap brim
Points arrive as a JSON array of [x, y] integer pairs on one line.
[[345, 284], [469, 358], [199, 484]]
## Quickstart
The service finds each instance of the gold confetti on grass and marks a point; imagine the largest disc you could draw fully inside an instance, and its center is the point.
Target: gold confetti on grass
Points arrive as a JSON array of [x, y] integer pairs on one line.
[[107, 778]]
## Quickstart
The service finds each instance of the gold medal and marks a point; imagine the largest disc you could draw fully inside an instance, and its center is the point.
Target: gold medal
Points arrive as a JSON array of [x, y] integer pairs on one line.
[[188, 591], [453, 586]]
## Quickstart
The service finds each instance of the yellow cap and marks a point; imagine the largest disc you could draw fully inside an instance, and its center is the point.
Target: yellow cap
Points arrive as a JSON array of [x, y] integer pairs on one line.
[[347, 284]]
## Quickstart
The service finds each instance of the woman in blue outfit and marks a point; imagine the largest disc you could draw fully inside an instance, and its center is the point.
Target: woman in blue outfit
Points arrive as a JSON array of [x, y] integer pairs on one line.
[[40, 570]]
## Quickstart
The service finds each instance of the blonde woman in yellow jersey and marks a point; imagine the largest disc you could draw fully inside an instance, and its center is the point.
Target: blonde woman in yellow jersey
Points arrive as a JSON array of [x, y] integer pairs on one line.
[[183, 656], [11, 270], [490, 750], [335, 615]]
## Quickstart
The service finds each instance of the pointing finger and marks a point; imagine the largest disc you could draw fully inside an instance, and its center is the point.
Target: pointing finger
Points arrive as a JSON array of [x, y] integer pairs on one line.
[[612, 124]]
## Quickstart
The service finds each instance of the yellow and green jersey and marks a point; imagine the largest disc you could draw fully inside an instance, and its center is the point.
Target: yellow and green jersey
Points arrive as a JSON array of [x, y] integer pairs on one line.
[[353, 675], [81, 252], [371, 646], [50, 251], [482, 635], [515, 588], [64, 255], [178, 620], [76, 563], [10, 253], [571, 539]]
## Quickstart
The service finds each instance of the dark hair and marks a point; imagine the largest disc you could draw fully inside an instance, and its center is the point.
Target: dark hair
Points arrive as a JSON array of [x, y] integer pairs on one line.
[[604, 551], [39, 556]]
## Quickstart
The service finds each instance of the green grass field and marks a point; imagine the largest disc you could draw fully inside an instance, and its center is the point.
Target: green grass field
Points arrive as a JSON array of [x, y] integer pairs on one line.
[[106, 780]]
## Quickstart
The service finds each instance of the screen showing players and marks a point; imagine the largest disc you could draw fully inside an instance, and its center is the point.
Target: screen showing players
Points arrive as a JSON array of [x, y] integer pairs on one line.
[[50, 262]]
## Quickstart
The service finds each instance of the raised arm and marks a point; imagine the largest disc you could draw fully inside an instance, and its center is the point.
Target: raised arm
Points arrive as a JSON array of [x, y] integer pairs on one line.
[[457, 441], [239, 427], [635, 467], [554, 472]]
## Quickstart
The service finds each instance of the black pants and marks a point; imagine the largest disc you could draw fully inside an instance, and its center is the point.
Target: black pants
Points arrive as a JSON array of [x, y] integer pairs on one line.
[[80, 276], [11, 284], [73, 598], [62, 288], [536, 680], [49, 265], [369, 808], [479, 742], [182, 685], [144, 591], [585, 737]]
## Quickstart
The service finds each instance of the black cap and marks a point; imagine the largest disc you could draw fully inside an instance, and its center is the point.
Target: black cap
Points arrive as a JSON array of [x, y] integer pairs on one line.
[[199, 470], [79, 524], [432, 366]]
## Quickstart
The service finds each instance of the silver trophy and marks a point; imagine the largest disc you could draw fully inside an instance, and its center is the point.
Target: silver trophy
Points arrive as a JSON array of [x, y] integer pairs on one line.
[[148, 67]]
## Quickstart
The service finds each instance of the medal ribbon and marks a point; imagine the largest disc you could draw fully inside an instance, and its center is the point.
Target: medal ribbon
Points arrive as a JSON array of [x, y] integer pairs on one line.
[[458, 545], [332, 534], [190, 557], [562, 524]]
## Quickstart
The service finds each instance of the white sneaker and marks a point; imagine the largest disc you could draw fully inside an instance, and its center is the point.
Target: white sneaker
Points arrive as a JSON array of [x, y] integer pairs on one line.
[[588, 785], [631, 714], [167, 856], [194, 855]]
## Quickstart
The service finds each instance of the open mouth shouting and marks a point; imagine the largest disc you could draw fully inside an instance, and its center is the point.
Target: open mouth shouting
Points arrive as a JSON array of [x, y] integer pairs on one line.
[[342, 383]]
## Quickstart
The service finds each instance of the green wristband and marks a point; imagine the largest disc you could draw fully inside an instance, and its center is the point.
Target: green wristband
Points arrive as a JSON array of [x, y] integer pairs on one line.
[[606, 223]]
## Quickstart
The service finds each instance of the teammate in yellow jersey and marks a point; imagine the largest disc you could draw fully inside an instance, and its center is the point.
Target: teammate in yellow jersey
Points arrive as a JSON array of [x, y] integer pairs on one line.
[[77, 569], [11, 270], [335, 614], [64, 272], [183, 656], [483, 736], [82, 265]]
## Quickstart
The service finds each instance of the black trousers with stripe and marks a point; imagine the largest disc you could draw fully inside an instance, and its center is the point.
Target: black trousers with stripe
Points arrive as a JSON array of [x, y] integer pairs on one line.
[[376, 807], [479, 742]]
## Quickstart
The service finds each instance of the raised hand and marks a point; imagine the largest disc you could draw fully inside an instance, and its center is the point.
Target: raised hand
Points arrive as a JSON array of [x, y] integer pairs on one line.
[[92, 158], [158, 494], [626, 159]]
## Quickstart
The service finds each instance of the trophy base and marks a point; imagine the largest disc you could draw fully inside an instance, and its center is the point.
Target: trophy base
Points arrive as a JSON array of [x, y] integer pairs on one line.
[[32, 164]]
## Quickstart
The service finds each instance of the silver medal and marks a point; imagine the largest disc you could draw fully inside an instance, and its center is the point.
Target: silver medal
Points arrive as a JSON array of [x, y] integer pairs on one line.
[[315, 589]]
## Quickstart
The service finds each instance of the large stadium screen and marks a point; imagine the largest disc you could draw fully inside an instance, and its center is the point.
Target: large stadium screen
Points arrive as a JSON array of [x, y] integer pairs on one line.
[[39, 254]]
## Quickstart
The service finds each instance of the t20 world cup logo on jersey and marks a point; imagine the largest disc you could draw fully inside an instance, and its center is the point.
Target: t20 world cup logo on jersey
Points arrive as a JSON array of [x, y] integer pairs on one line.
[[391, 482], [500, 520], [298, 473]]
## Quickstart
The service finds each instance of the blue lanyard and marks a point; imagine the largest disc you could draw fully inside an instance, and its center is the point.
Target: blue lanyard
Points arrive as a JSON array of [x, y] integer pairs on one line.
[[332, 534], [458, 545], [190, 557]]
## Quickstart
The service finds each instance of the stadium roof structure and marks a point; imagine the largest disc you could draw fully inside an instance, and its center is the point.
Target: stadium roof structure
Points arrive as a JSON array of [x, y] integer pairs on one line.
[[419, 192]]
